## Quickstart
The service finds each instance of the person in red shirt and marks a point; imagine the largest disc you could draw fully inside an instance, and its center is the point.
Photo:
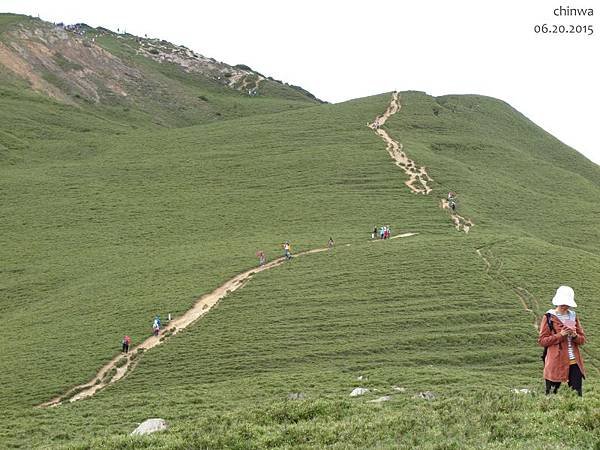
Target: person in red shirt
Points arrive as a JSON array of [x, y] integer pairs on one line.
[[126, 341]]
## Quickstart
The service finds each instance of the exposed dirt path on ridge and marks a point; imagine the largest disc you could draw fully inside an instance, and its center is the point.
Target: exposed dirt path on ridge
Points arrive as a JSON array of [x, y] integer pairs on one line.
[[459, 221], [418, 178], [122, 364]]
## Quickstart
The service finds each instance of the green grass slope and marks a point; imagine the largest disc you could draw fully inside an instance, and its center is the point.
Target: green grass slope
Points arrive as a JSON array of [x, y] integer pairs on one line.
[[94, 244], [508, 172]]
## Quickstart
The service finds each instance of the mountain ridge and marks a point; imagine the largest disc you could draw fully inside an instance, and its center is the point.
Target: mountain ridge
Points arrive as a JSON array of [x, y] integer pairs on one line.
[[83, 66]]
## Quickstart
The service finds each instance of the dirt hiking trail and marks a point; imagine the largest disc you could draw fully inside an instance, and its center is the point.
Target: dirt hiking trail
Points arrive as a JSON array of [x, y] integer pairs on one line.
[[459, 221], [121, 364], [403, 235], [418, 178]]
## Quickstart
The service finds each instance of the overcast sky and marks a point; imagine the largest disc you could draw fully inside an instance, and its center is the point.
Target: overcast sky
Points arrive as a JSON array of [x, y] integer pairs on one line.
[[340, 50]]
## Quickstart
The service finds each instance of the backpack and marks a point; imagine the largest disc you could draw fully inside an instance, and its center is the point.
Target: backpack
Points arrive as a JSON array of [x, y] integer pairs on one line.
[[551, 327]]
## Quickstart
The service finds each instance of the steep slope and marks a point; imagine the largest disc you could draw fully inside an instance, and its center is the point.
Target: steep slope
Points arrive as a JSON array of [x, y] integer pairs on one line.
[[146, 81], [95, 245]]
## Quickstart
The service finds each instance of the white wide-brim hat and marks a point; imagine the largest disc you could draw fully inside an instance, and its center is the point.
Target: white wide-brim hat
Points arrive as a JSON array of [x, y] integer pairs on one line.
[[564, 296]]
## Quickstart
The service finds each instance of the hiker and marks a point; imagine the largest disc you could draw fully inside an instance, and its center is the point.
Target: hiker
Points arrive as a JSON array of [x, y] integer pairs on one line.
[[561, 334], [126, 341], [374, 233], [389, 232], [381, 232], [287, 250], [330, 243], [156, 326], [261, 258], [452, 201]]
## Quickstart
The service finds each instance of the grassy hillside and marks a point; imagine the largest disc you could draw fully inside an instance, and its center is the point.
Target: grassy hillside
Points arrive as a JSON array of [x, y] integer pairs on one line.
[[507, 171], [95, 243]]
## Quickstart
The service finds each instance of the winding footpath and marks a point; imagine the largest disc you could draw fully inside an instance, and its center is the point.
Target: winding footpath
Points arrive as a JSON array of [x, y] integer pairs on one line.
[[122, 364], [418, 178], [460, 223]]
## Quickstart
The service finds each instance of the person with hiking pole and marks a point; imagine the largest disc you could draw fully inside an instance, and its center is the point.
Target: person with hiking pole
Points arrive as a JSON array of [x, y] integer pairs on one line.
[[561, 335]]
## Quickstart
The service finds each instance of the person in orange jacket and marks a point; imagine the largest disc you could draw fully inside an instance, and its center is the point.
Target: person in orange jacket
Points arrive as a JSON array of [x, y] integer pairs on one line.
[[562, 334]]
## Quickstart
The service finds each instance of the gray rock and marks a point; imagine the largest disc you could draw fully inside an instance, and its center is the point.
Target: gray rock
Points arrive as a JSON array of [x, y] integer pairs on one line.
[[358, 391], [296, 396], [427, 395], [150, 426]]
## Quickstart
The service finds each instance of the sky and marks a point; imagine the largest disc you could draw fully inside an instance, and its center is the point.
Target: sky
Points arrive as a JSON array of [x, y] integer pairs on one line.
[[340, 50]]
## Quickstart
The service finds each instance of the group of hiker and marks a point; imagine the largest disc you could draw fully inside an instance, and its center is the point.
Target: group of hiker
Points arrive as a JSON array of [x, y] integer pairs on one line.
[[383, 232], [287, 251], [156, 327]]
